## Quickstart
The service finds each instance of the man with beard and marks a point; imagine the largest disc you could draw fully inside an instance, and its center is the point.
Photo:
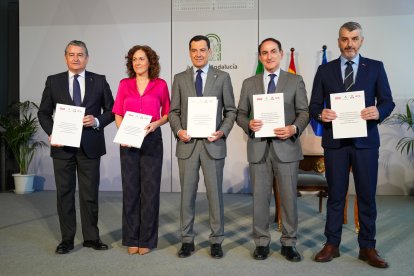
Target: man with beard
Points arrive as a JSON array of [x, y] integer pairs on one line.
[[351, 72]]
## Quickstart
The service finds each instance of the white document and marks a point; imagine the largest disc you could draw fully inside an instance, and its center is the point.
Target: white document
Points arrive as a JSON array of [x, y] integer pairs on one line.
[[132, 129], [202, 113], [270, 109], [348, 107], [68, 125]]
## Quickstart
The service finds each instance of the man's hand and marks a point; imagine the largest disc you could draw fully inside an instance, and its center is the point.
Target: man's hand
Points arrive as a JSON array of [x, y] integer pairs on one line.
[[215, 136], [255, 125], [370, 113], [328, 115], [89, 121], [182, 135], [284, 133]]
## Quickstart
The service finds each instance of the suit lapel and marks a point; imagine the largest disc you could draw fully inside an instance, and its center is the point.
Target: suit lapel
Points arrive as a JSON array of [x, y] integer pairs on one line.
[[362, 74], [281, 82], [89, 84], [64, 83], [189, 80], [211, 78], [258, 83], [338, 74]]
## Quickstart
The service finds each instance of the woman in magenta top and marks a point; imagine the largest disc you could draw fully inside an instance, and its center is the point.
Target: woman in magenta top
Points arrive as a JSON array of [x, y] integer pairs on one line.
[[143, 92]]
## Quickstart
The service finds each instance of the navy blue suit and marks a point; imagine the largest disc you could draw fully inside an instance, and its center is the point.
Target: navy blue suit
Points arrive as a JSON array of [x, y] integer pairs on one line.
[[83, 162], [360, 154]]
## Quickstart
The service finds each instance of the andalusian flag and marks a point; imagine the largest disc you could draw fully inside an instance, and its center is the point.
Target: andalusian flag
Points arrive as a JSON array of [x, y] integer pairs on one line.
[[259, 68], [292, 68], [317, 126]]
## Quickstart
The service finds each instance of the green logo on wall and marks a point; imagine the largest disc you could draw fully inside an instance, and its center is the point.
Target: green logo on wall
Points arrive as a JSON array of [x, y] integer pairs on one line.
[[215, 45]]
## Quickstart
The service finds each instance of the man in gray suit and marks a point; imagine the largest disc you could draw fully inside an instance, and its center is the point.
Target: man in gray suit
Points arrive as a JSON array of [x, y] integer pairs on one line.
[[209, 153], [274, 156]]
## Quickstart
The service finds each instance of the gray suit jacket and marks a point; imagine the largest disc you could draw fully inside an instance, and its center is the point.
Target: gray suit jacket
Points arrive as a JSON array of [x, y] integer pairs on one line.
[[296, 113], [218, 84]]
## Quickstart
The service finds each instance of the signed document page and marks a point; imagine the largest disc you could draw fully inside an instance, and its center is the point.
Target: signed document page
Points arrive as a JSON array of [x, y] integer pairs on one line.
[[271, 110], [202, 114], [348, 107], [68, 125], [132, 129]]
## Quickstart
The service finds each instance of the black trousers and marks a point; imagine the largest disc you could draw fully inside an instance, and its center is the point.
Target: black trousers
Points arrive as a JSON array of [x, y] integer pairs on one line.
[[87, 171], [141, 180]]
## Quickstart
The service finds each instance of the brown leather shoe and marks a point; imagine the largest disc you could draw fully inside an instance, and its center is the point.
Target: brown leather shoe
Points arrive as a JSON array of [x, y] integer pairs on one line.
[[371, 256], [133, 250], [327, 253]]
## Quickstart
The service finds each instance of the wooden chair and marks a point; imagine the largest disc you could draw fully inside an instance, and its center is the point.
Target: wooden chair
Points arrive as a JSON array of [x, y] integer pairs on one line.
[[311, 179]]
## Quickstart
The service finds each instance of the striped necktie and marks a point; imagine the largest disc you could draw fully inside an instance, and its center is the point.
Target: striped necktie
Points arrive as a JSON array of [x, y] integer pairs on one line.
[[349, 76]]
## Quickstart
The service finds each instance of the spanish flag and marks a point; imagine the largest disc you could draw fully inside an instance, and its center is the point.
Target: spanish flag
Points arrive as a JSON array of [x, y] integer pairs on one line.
[[292, 67]]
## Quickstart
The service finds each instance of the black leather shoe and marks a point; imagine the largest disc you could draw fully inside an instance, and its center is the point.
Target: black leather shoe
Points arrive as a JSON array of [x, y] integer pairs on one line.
[[261, 252], [64, 247], [291, 253], [96, 244], [216, 251], [186, 250]]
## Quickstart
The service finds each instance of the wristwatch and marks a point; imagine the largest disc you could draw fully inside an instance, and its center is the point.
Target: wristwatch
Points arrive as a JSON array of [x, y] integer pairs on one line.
[[320, 117]]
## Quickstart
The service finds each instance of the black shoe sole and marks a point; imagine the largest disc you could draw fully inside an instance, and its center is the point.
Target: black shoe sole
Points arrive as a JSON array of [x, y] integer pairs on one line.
[[185, 256], [259, 258], [66, 251], [217, 256]]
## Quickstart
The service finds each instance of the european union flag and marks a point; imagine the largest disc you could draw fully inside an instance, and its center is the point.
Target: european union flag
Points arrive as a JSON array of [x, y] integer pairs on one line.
[[317, 126]]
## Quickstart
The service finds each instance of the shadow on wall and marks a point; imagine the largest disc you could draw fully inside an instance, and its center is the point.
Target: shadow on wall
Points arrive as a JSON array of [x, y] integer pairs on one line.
[[243, 187], [396, 174]]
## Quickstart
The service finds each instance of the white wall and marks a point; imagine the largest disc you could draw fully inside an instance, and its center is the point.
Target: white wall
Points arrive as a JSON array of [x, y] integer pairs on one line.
[[110, 29]]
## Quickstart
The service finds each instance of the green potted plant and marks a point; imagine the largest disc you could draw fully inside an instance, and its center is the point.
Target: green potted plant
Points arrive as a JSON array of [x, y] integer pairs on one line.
[[21, 124], [406, 144]]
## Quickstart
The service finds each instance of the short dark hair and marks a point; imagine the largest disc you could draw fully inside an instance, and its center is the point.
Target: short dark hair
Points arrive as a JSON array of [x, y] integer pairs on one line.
[[351, 26], [154, 65], [77, 43], [269, 39], [198, 38]]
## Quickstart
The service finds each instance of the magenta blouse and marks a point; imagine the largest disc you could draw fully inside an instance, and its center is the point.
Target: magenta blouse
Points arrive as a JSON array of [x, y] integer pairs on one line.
[[155, 98]]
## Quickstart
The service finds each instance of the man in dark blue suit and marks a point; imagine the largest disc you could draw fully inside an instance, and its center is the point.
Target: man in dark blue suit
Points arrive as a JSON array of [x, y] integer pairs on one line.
[[351, 72], [78, 87]]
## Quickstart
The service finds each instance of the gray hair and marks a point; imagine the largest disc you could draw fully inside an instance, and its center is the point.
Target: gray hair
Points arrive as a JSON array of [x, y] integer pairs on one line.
[[77, 43], [351, 26]]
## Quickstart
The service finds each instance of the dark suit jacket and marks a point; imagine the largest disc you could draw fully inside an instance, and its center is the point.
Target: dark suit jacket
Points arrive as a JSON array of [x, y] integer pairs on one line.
[[296, 113], [218, 84], [98, 101], [371, 78]]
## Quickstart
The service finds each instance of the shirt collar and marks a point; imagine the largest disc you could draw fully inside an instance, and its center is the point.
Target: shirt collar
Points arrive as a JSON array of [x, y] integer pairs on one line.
[[266, 73], [82, 74], [355, 60], [204, 69]]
